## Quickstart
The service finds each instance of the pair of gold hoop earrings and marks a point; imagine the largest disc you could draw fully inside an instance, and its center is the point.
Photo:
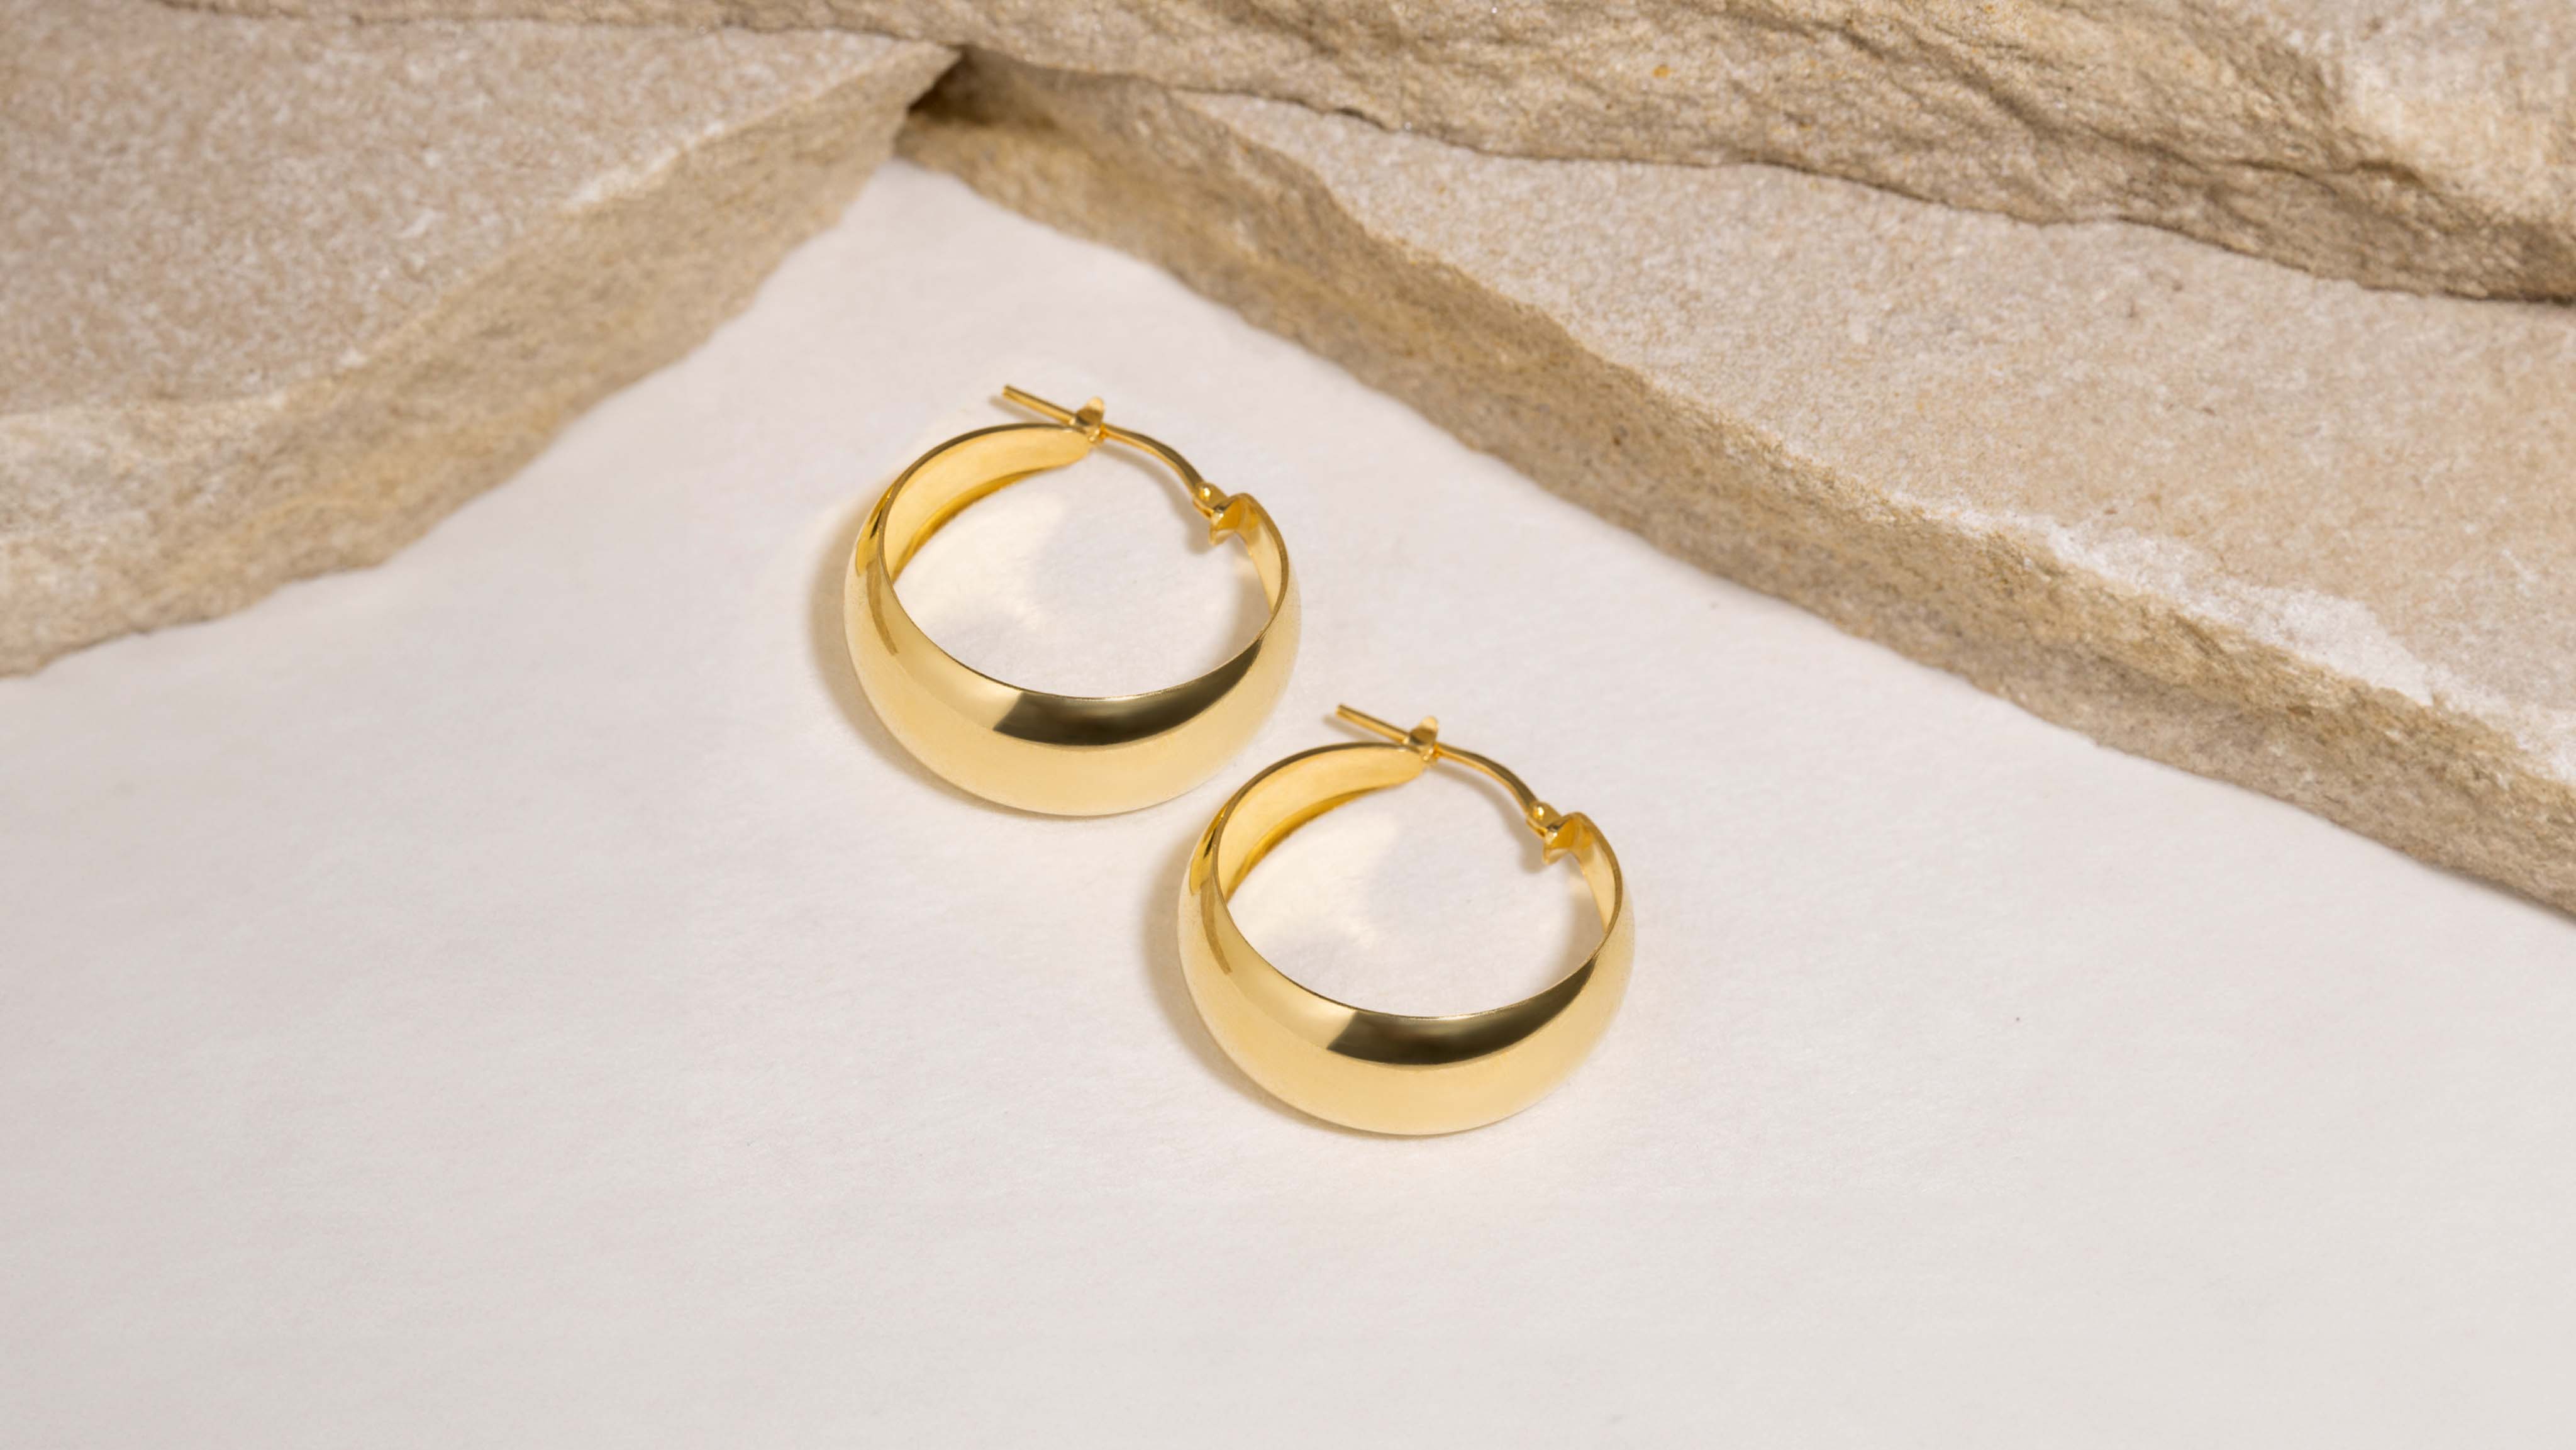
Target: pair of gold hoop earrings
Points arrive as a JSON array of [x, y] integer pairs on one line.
[[1071, 755]]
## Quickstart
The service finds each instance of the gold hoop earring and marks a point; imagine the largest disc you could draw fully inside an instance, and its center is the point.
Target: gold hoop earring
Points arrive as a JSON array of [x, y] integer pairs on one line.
[[1060, 754], [1378, 1070]]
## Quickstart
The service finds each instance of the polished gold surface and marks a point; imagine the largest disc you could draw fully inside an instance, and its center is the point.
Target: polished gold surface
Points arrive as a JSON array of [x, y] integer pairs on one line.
[[1382, 1071], [1061, 754]]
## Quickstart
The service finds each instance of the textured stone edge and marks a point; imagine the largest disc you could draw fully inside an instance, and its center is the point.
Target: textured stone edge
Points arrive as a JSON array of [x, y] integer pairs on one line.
[[1150, 171], [2232, 133], [343, 470]]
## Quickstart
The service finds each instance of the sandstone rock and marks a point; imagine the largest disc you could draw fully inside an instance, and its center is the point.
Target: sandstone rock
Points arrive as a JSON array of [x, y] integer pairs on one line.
[[2420, 144], [279, 294], [2288, 532]]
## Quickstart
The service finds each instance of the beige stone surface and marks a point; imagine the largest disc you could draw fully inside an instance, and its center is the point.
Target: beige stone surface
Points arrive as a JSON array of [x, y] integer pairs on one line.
[[2419, 144], [2293, 533], [279, 294]]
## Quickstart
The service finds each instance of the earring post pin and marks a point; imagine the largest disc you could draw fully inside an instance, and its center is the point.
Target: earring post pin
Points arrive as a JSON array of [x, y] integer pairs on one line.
[[1424, 739]]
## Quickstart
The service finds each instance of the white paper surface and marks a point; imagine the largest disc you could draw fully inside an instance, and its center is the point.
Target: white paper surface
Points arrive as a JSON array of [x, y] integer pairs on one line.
[[518, 995]]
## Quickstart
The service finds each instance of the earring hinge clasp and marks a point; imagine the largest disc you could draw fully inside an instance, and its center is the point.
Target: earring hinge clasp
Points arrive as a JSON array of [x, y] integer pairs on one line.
[[1424, 740], [1206, 497]]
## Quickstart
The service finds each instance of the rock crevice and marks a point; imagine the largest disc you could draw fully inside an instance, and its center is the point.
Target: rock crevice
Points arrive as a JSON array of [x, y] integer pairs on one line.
[[2427, 145]]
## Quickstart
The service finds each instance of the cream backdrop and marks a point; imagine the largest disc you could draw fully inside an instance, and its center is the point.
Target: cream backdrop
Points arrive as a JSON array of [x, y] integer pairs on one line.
[[516, 994]]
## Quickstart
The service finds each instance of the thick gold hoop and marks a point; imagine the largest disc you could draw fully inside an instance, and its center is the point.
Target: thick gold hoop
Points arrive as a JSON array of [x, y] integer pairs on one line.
[[1382, 1071], [1061, 754]]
